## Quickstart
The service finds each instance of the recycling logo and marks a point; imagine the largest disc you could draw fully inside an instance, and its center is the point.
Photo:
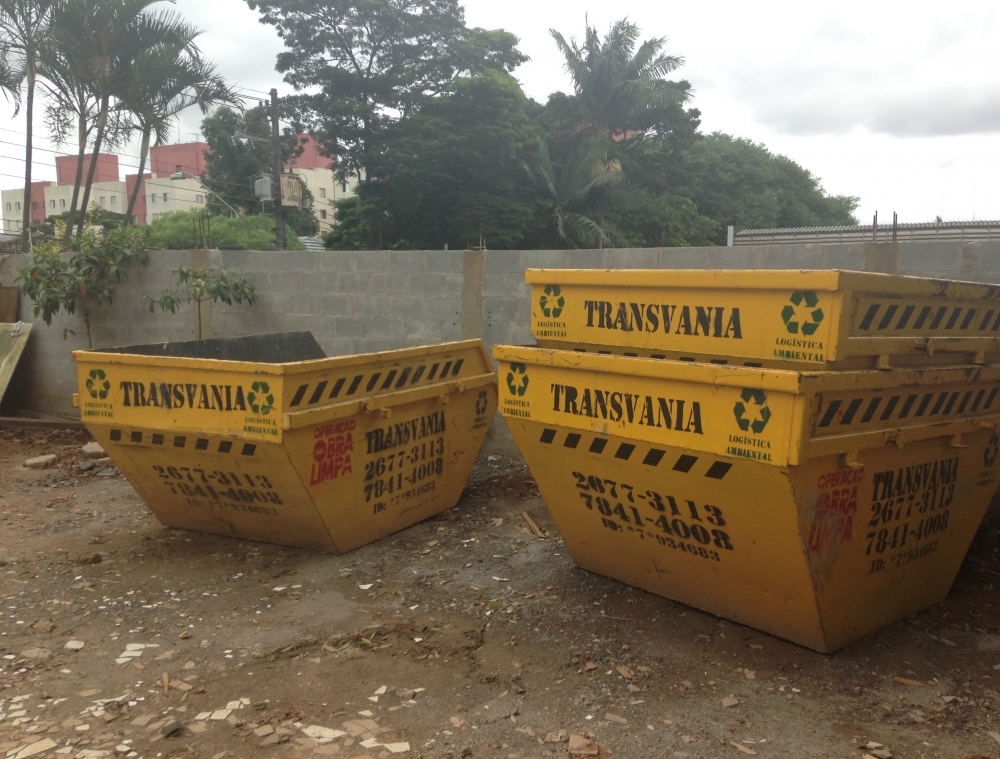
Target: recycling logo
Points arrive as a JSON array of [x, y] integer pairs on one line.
[[98, 385], [802, 316], [481, 403], [517, 386], [751, 411], [552, 302], [260, 399], [990, 454]]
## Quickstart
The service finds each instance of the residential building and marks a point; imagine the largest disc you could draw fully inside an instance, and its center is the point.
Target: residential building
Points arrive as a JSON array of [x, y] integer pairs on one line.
[[171, 184]]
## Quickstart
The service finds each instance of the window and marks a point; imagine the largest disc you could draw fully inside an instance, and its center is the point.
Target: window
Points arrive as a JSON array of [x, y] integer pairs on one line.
[[34, 205], [152, 198], [156, 216], [62, 202], [17, 206], [52, 204], [144, 218], [178, 168], [322, 214], [114, 200], [135, 219], [322, 192], [9, 207], [164, 197], [199, 198], [103, 201]]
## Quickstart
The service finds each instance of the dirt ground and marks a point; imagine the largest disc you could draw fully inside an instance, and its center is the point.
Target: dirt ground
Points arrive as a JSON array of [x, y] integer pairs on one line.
[[465, 636]]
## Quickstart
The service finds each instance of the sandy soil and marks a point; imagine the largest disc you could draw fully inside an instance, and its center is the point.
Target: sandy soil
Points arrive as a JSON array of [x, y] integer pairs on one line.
[[464, 636]]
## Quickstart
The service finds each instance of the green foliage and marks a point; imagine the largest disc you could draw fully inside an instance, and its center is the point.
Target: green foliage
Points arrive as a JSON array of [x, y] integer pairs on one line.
[[177, 231], [62, 282], [736, 181], [199, 285], [450, 173], [363, 66], [234, 159]]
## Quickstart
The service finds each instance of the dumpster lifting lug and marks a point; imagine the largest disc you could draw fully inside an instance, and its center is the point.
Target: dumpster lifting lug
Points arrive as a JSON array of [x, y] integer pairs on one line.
[[988, 425], [849, 460], [892, 437], [883, 362], [956, 441], [381, 413], [980, 359]]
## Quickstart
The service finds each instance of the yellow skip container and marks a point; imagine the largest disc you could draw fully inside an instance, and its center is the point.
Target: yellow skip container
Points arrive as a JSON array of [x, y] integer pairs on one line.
[[785, 319], [816, 506], [265, 438]]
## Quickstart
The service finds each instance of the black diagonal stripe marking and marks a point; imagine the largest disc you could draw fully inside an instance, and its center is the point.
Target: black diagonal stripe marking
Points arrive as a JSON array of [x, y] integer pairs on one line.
[[965, 401], [951, 402], [924, 313], [572, 440], [889, 407], [986, 320], [979, 399], [653, 457], [968, 318], [684, 463], [887, 317], [434, 369], [598, 445], [989, 399], [872, 408], [624, 451], [907, 405], [458, 367], [831, 410], [718, 470], [852, 409], [866, 323], [907, 313], [297, 398], [354, 384], [372, 382], [548, 436], [953, 318], [404, 375], [418, 374], [337, 387], [938, 317], [318, 392], [939, 403], [388, 379]]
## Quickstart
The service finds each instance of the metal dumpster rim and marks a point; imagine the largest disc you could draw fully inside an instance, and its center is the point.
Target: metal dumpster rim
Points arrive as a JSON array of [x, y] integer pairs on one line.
[[732, 375], [289, 369], [768, 279]]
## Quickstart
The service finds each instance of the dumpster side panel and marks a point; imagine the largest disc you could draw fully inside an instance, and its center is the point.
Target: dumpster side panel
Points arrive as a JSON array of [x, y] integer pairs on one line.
[[794, 325], [885, 539], [217, 485], [132, 392], [680, 526], [375, 473]]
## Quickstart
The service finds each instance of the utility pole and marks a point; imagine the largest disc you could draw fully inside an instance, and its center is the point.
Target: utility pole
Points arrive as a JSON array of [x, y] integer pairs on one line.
[[279, 211]]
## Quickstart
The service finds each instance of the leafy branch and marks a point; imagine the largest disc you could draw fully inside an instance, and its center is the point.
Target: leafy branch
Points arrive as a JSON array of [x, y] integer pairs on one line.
[[199, 285]]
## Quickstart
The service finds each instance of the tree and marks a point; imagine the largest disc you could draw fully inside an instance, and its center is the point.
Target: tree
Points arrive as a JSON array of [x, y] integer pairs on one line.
[[737, 181], [621, 89], [199, 285], [109, 37], [239, 150], [181, 230], [24, 32], [364, 65], [450, 173], [56, 282], [168, 79]]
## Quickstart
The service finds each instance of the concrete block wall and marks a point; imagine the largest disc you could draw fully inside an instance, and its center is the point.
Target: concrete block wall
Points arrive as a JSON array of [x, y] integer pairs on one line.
[[366, 301]]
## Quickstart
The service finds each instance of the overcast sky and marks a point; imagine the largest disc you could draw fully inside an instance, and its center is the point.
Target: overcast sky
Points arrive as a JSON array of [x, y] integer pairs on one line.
[[895, 102]]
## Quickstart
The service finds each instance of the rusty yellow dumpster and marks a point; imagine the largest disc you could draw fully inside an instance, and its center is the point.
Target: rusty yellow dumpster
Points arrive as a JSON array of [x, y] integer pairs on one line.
[[786, 319], [816, 506], [265, 438]]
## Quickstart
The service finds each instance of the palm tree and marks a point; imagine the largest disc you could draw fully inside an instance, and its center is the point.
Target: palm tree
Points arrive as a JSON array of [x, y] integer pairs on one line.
[[168, 80], [109, 36], [24, 30], [620, 88], [578, 195]]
